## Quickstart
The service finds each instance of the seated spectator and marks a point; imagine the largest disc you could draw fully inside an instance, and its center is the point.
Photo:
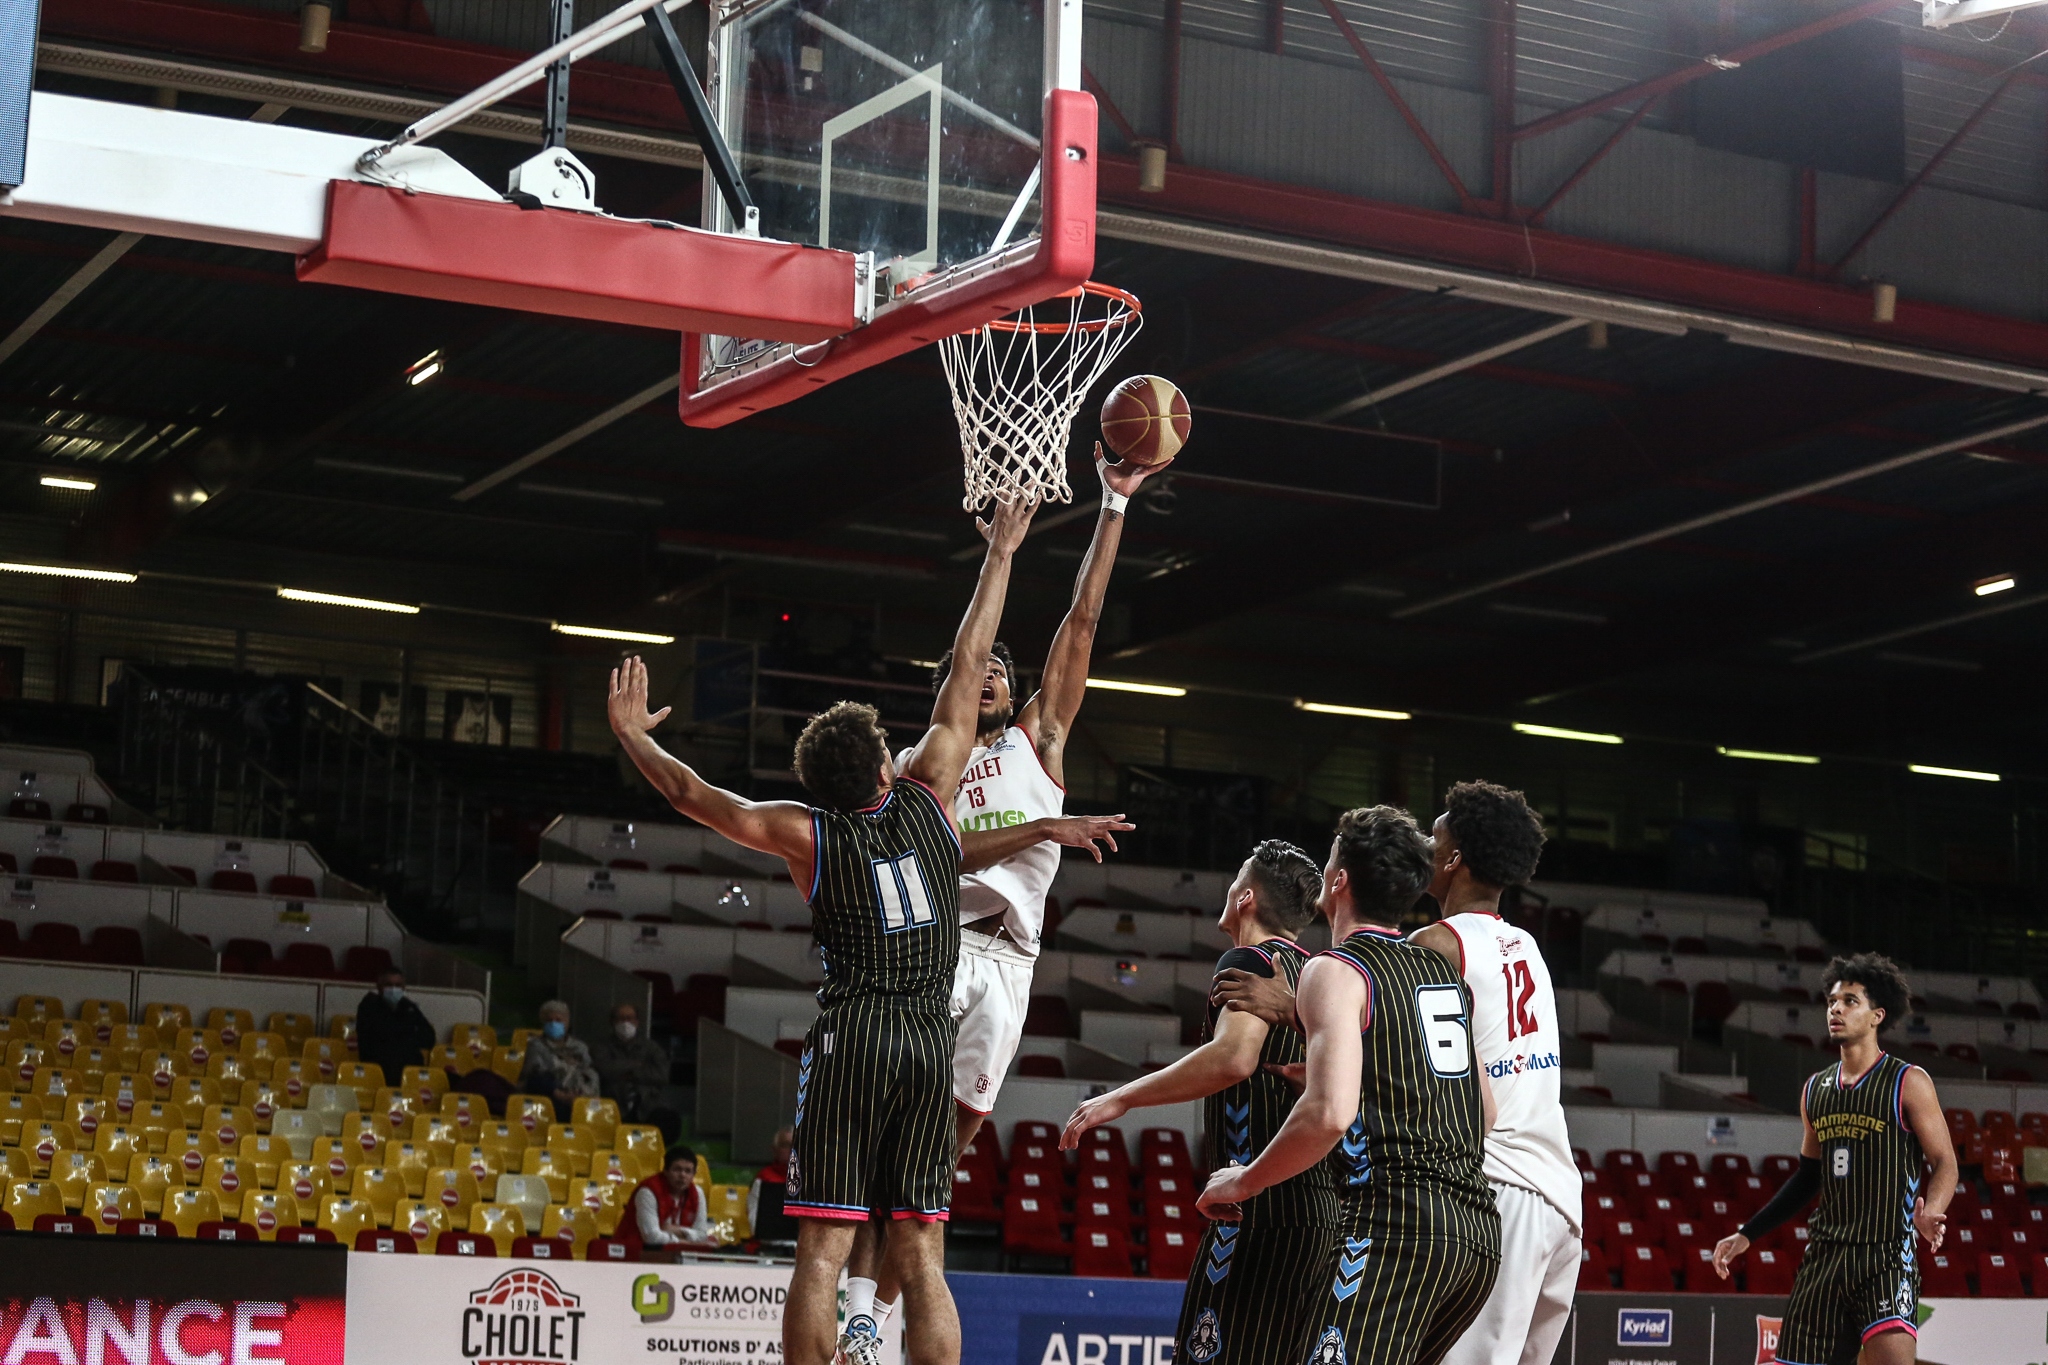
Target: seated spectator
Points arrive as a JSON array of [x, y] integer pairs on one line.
[[391, 1029], [631, 1067], [668, 1208], [764, 1200], [558, 1065]]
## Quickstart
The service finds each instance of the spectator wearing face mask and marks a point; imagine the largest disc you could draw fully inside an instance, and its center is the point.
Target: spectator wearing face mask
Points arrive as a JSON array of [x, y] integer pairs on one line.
[[391, 1030], [557, 1064], [631, 1067]]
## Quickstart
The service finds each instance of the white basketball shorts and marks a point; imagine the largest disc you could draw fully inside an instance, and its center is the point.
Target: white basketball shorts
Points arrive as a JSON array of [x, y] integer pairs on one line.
[[991, 992], [1532, 1297]]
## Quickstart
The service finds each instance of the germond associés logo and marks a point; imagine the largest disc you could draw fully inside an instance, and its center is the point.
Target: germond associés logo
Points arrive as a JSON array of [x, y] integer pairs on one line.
[[656, 1300], [523, 1318], [1643, 1327], [1521, 1062]]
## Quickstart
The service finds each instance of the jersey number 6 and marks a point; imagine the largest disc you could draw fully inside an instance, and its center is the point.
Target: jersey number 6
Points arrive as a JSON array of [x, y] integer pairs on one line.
[[1442, 1013]]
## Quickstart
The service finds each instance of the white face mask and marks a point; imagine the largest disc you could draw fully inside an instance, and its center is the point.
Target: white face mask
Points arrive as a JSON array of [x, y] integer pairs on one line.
[[625, 1028], [393, 994]]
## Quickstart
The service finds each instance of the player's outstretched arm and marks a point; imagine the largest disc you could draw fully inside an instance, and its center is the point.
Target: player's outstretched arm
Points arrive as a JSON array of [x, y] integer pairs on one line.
[[779, 827], [986, 847], [1331, 1003], [1048, 716], [1923, 1116], [1792, 1196], [1223, 1061], [941, 756]]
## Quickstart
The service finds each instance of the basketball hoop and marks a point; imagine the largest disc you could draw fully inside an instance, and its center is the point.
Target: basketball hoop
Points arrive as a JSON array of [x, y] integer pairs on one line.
[[1019, 381]]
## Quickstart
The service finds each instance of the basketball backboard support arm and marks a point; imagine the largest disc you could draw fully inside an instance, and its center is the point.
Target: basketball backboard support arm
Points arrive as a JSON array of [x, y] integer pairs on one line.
[[718, 158]]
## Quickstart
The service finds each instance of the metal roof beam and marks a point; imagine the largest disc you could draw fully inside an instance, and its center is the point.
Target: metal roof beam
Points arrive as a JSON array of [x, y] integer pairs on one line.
[[1450, 367]]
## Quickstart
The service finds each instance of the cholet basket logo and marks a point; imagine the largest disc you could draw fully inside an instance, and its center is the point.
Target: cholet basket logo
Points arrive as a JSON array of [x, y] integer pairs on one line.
[[523, 1318]]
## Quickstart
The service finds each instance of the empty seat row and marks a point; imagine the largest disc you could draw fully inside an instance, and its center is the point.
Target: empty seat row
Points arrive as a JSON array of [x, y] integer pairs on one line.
[[55, 941], [287, 885], [75, 813]]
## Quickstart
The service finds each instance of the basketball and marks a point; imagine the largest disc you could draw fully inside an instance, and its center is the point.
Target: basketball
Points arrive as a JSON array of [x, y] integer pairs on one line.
[[1145, 419]]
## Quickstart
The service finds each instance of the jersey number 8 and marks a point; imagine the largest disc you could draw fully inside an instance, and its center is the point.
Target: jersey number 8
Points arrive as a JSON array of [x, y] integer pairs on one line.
[[1442, 1013], [1840, 1162], [905, 899]]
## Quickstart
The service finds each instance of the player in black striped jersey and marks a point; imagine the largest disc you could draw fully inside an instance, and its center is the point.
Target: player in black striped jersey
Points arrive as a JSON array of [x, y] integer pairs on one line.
[[1872, 1123], [881, 858], [1390, 1076], [1256, 1282]]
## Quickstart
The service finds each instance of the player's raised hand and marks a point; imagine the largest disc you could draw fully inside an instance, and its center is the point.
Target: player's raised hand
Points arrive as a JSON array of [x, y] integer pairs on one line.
[[1223, 1200], [1726, 1250], [1008, 525], [627, 703], [1124, 477], [1092, 1114], [1933, 1226], [1081, 831]]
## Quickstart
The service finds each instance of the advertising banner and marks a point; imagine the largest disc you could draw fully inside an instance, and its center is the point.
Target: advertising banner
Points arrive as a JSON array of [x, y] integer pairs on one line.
[[130, 1301], [1672, 1329], [1062, 1320], [474, 1311]]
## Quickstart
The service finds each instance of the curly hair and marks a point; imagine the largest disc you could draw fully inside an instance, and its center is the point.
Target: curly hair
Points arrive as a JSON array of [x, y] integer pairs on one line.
[[1387, 857], [1500, 837], [1881, 980], [1288, 883], [839, 755], [943, 669]]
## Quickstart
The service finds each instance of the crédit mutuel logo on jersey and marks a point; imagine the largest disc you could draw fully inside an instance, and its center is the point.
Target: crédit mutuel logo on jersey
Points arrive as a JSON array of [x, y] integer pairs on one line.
[[523, 1318], [1521, 1062]]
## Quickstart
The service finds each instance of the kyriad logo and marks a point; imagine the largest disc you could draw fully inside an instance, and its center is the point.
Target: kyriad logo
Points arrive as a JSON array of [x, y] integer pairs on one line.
[[1520, 1062], [1643, 1327], [523, 1318]]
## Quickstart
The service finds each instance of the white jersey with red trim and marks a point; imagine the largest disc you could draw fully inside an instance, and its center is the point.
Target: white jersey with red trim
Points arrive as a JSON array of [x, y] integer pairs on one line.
[[1516, 1033], [1006, 784]]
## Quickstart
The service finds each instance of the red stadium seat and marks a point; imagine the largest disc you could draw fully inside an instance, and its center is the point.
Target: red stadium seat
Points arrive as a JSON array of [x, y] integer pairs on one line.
[[608, 1249], [294, 1236], [67, 1224], [116, 945], [463, 1244], [1730, 1163], [542, 1249], [293, 887], [1170, 1252], [1998, 1275], [1594, 1272], [974, 1195], [229, 879], [1047, 1016], [1768, 1271], [365, 962], [1942, 1277], [1038, 1064], [28, 808], [390, 1242], [1167, 1140], [49, 865], [108, 870], [146, 1227], [1677, 1163], [1031, 1225], [314, 960], [1778, 1169], [1623, 1159], [224, 1231], [1645, 1269], [1102, 1249], [1696, 1270]]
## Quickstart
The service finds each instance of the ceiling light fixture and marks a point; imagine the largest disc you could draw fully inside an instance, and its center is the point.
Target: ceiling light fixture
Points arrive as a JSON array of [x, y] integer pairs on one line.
[[333, 599], [1149, 689], [637, 637], [1929, 770], [425, 368], [1764, 755], [76, 485], [1325, 708], [1983, 587], [59, 571], [1553, 732]]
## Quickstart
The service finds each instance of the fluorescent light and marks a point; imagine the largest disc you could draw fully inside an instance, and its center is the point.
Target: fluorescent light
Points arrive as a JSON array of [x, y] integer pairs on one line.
[[333, 599], [59, 571], [1552, 732], [638, 637], [1983, 587], [1149, 689], [1929, 770], [425, 368], [1764, 755], [1325, 708], [78, 485]]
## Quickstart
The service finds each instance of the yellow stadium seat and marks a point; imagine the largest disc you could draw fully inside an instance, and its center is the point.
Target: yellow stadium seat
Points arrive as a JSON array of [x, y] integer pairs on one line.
[[520, 1035], [339, 1157], [473, 1038], [187, 1209], [229, 1124], [123, 1091], [231, 1181], [603, 1199], [153, 1177], [645, 1143], [481, 1163], [157, 1120], [508, 1062], [263, 1101], [295, 1028], [439, 1129], [230, 1023], [471, 1111], [132, 1038], [366, 1077], [163, 1068], [85, 1114], [381, 1188], [16, 1110], [728, 1204], [43, 1141], [92, 1064], [269, 1210], [266, 1153], [345, 1217], [454, 1190], [65, 1036], [398, 1108], [38, 1009], [26, 1200], [556, 1168], [527, 1193], [412, 1161], [74, 1174], [192, 1149], [601, 1117], [504, 1224], [293, 1076], [25, 1057], [534, 1113], [119, 1145], [14, 1165], [197, 1094], [109, 1013], [441, 1059], [161, 1016], [614, 1167], [570, 1223], [230, 1069], [574, 1141], [343, 1028], [509, 1139], [333, 1104], [56, 1084], [259, 1046], [108, 1203], [306, 1181], [298, 1130], [425, 1084], [197, 1046], [369, 1132], [325, 1056], [424, 1219]]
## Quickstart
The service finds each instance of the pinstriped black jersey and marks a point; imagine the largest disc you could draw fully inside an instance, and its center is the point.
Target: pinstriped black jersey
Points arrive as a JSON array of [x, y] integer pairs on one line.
[[885, 898], [1242, 1119], [1412, 1159], [1869, 1159]]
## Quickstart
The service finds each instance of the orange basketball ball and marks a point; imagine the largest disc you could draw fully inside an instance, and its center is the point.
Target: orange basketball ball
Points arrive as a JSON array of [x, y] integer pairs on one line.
[[1145, 419]]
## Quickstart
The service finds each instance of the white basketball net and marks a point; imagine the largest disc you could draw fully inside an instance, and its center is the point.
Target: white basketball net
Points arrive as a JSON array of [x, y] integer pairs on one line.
[[1019, 382]]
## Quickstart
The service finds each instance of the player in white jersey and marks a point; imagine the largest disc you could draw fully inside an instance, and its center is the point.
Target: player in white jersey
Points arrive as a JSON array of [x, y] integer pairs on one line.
[[1487, 840], [1009, 811]]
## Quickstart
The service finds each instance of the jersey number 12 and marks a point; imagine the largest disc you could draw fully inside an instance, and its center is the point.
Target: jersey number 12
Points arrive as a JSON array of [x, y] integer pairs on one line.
[[1521, 989]]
